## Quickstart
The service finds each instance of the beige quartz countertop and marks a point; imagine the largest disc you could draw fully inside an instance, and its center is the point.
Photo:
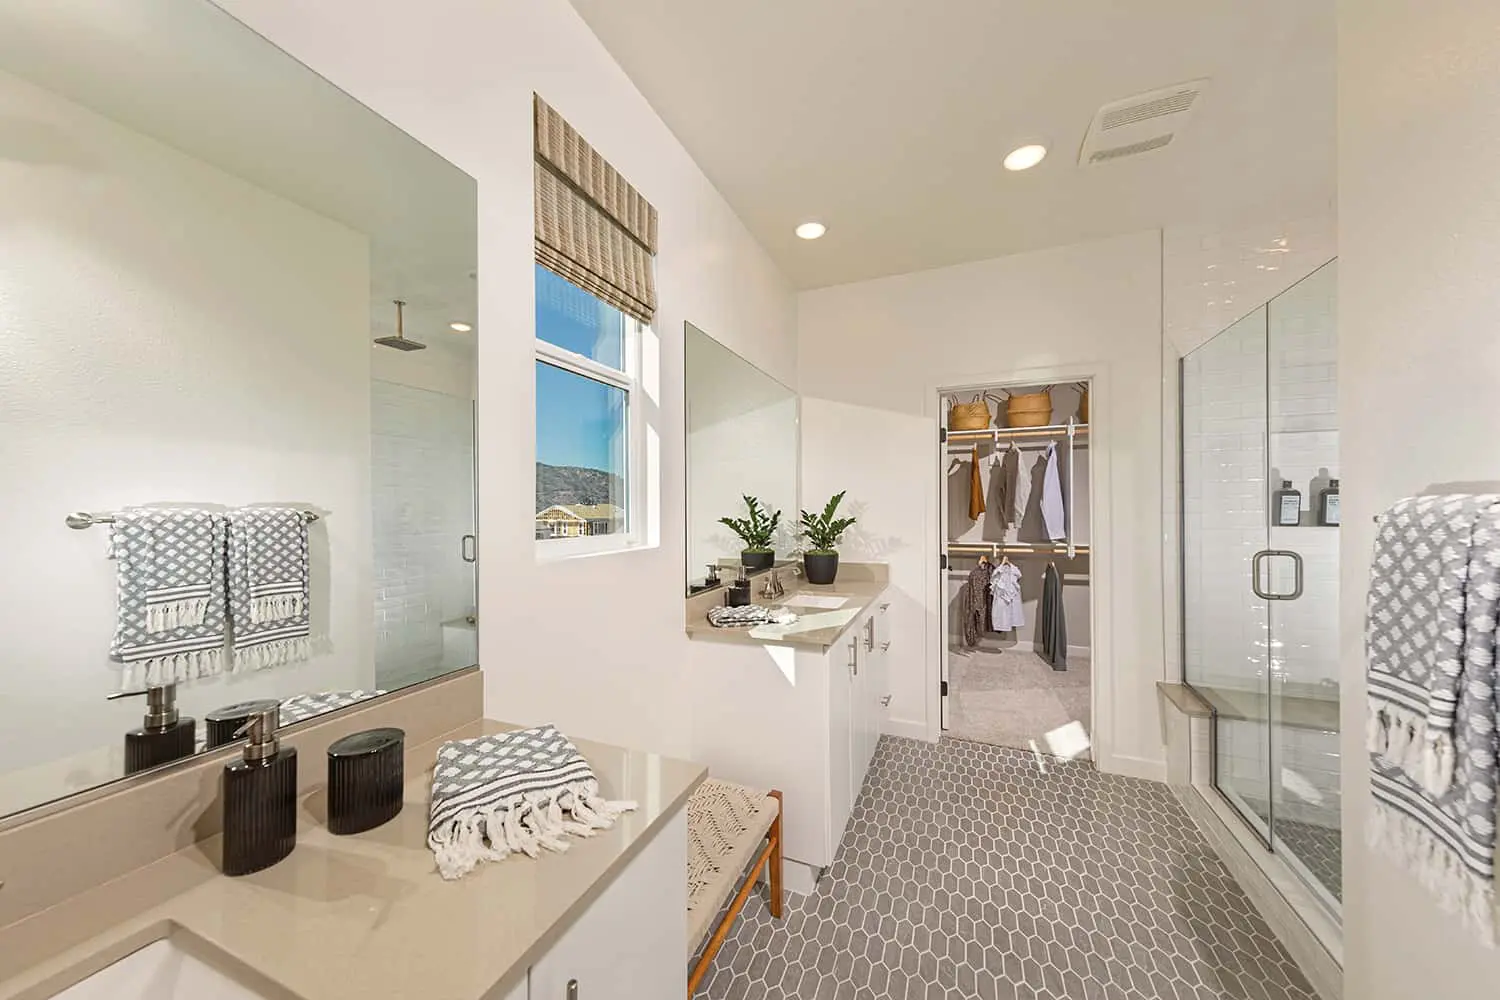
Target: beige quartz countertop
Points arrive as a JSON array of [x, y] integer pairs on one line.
[[860, 594], [363, 917]]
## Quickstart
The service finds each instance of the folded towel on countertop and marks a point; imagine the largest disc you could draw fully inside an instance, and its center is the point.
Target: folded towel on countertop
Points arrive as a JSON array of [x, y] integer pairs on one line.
[[170, 617], [269, 591], [1430, 636], [517, 791]]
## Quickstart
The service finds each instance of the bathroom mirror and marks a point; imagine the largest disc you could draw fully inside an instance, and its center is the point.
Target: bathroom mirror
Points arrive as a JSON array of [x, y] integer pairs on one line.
[[741, 440], [203, 241]]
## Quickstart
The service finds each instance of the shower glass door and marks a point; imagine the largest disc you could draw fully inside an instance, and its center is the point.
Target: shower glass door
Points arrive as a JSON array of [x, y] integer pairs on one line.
[[1260, 570], [1227, 626]]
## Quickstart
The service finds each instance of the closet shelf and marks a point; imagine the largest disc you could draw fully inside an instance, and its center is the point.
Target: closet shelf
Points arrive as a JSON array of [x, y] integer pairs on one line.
[[1013, 433]]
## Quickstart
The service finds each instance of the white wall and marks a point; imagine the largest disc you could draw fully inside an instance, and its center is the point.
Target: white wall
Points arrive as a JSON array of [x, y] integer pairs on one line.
[[596, 644], [1419, 361], [171, 334], [880, 350]]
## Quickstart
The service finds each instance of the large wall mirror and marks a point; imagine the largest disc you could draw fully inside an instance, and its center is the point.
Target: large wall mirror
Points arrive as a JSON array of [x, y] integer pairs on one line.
[[202, 248], [742, 440]]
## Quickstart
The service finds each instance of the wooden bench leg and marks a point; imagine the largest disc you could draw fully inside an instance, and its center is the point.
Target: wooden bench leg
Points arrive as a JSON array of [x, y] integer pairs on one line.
[[774, 878]]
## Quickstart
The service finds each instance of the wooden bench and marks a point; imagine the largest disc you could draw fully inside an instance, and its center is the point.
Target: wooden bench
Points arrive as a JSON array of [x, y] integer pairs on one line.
[[730, 828]]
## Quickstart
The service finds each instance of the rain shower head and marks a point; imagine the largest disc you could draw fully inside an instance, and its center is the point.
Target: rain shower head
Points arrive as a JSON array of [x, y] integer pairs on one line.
[[400, 341]]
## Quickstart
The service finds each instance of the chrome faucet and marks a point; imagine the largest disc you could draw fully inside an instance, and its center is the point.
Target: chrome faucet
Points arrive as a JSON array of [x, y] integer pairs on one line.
[[773, 588]]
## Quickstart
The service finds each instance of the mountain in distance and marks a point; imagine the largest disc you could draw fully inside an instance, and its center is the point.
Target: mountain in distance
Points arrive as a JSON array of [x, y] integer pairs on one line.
[[570, 484]]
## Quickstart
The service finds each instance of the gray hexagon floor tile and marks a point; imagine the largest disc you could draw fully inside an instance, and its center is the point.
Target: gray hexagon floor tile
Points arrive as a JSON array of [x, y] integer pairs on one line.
[[965, 872]]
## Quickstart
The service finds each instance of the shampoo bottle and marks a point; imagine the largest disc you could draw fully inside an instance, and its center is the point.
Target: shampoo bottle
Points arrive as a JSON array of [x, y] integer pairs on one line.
[[1286, 506], [1328, 504]]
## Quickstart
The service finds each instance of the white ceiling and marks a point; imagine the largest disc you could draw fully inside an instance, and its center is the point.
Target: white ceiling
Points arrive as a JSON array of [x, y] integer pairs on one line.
[[191, 76], [888, 120]]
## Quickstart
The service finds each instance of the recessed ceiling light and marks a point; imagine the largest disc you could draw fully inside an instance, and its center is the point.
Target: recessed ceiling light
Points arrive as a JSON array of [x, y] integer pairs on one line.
[[811, 230], [460, 327], [1025, 157]]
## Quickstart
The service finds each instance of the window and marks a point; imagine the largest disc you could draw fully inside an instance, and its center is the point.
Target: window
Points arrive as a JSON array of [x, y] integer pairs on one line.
[[587, 377]]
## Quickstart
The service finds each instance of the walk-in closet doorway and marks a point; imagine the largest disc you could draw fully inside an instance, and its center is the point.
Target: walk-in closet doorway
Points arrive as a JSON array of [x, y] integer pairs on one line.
[[1015, 559]]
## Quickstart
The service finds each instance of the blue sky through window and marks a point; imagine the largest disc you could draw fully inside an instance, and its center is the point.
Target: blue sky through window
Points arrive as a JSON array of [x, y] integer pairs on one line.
[[579, 421]]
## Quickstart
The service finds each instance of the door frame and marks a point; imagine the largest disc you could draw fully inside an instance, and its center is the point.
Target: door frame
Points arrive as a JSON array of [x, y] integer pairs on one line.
[[1101, 659]]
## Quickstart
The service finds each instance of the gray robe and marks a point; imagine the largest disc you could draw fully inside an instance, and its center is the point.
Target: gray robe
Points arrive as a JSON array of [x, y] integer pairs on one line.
[[1051, 624]]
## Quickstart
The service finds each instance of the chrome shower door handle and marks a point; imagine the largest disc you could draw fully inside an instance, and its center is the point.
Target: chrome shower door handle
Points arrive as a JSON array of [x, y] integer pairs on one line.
[[1258, 560], [469, 548]]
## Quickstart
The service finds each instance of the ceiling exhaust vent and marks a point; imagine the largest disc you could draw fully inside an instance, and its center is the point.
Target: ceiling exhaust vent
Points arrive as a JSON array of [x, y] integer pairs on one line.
[[1139, 124]]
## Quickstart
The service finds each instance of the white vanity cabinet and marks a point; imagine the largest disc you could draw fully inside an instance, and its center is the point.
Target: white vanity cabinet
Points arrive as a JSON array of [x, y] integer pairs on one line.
[[798, 718], [630, 942]]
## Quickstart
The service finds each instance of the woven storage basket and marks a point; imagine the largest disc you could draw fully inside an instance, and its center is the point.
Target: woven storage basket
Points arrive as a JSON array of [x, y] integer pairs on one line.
[[1032, 409], [971, 416]]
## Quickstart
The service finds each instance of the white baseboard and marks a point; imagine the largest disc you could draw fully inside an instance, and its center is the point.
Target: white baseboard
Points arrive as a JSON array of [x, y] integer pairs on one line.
[[1134, 767], [798, 877], [903, 727]]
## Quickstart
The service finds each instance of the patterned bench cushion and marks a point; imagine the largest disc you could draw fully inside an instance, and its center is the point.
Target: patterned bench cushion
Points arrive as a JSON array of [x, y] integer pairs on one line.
[[727, 825]]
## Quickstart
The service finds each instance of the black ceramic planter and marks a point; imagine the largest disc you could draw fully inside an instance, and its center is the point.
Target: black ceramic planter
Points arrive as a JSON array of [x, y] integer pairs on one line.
[[755, 559], [820, 567]]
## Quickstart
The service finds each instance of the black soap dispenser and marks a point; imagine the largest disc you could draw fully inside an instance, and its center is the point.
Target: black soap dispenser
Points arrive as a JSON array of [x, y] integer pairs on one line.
[[164, 736], [260, 796]]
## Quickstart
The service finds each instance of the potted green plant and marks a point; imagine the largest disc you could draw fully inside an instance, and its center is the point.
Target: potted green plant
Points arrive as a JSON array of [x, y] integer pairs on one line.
[[758, 532], [821, 559]]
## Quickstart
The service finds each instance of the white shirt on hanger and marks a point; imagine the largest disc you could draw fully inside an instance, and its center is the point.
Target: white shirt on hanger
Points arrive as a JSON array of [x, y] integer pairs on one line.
[[1006, 610], [1054, 515]]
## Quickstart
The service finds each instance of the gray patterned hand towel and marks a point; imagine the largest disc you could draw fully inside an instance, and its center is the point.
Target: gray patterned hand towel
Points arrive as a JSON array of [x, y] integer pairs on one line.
[[1430, 639], [300, 707], [517, 791], [171, 605], [269, 593]]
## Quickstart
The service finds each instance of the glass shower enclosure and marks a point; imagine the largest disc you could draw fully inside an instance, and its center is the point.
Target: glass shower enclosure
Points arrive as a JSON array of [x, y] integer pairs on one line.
[[1260, 539]]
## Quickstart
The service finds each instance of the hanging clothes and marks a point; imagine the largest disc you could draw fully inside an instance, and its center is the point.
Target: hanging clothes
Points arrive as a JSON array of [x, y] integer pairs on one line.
[[1015, 484], [1006, 610], [1052, 625], [976, 488], [1054, 514], [974, 604]]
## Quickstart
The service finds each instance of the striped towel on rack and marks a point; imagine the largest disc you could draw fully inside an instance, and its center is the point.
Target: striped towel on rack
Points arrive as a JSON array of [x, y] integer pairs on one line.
[[1430, 640], [269, 589], [170, 618]]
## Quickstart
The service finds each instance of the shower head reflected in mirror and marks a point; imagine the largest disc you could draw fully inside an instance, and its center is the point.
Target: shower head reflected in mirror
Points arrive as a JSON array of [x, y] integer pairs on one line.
[[400, 341]]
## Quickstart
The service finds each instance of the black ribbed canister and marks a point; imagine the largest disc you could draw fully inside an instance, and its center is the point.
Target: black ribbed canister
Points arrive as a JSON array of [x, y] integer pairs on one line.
[[366, 775]]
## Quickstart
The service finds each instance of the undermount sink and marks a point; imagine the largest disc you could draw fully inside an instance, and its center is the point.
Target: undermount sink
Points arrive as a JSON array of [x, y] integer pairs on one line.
[[163, 970], [823, 602]]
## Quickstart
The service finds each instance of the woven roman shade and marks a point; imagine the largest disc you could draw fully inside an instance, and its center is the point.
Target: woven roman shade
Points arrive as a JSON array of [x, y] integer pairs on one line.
[[592, 227]]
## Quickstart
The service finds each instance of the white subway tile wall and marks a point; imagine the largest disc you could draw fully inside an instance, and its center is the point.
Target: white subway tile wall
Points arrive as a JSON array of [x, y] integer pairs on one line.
[[422, 460]]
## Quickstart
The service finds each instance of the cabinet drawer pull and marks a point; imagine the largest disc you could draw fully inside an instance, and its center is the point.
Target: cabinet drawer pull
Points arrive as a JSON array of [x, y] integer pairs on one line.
[[854, 657], [572, 989]]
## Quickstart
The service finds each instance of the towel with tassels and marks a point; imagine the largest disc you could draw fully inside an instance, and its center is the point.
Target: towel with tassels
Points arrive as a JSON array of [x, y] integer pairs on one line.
[[522, 791], [269, 586], [170, 623], [1430, 639]]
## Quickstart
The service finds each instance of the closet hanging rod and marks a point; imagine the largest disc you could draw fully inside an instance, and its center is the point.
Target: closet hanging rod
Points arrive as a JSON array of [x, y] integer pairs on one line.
[[999, 433], [80, 519], [1019, 548]]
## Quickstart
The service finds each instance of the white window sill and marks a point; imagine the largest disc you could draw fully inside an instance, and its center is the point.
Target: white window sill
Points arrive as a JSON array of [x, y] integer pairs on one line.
[[555, 550]]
